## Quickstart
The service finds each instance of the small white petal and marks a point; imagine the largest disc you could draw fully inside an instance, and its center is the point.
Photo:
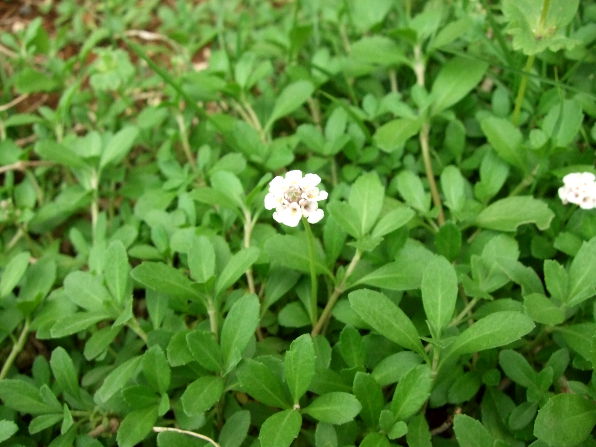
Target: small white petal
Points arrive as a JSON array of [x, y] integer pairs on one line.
[[278, 185], [322, 195], [272, 201], [316, 216], [293, 177], [310, 180]]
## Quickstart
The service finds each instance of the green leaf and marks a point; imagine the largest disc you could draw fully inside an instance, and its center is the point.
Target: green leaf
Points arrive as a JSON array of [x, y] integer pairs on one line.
[[290, 98], [439, 292], [497, 329], [299, 366], [238, 329], [530, 34], [44, 421], [582, 281], [117, 271], [448, 240], [280, 429], [258, 380], [7, 429], [86, 291], [135, 426], [118, 146], [234, 431], [117, 378], [156, 369], [403, 274], [517, 368], [453, 185], [369, 394], [418, 432], [579, 337], [325, 435], [56, 152], [411, 392], [542, 310], [13, 272], [566, 420], [99, 341], [205, 350], [236, 267], [202, 394], [386, 318], [392, 221], [556, 280], [76, 322], [506, 140], [377, 50], [229, 186], [455, 80], [346, 217], [470, 432], [64, 371], [366, 198], [25, 398], [292, 251], [562, 123], [392, 136], [201, 259], [411, 189], [334, 408], [365, 16], [164, 279], [375, 440], [509, 213]]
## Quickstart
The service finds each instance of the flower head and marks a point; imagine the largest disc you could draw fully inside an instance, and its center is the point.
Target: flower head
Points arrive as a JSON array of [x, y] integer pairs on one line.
[[294, 196], [579, 188]]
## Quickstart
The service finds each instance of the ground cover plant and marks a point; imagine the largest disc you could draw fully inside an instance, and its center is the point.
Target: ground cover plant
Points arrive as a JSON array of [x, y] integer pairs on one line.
[[310, 223]]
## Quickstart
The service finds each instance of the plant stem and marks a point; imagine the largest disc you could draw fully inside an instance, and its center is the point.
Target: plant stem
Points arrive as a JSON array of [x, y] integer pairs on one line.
[[186, 432], [337, 291], [463, 314], [393, 80], [185, 143], [313, 272], [419, 69], [428, 167], [16, 349], [521, 91], [212, 312], [134, 325], [248, 227]]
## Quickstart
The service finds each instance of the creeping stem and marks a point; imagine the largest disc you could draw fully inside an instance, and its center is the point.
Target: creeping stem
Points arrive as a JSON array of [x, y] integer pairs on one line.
[[521, 90], [313, 271], [16, 349], [337, 292]]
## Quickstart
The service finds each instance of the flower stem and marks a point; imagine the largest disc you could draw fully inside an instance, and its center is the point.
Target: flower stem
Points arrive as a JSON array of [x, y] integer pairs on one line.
[[428, 167], [188, 433], [337, 292], [521, 91], [134, 325], [16, 349], [313, 272]]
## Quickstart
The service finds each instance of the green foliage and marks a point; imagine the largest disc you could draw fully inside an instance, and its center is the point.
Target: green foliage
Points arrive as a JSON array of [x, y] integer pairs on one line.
[[148, 298]]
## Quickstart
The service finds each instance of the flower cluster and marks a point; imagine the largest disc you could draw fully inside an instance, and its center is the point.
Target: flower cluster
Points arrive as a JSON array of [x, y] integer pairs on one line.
[[579, 188], [294, 196]]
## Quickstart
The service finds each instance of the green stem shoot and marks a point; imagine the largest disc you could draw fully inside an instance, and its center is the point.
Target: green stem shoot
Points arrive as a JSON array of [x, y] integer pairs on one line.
[[313, 272]]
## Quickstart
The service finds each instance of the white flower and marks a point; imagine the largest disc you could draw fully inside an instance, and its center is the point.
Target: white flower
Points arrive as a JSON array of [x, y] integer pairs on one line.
[[579, 188], [294, 197]]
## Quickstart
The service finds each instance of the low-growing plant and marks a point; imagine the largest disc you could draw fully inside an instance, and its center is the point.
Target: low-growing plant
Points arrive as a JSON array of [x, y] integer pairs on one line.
[[309, 223]]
